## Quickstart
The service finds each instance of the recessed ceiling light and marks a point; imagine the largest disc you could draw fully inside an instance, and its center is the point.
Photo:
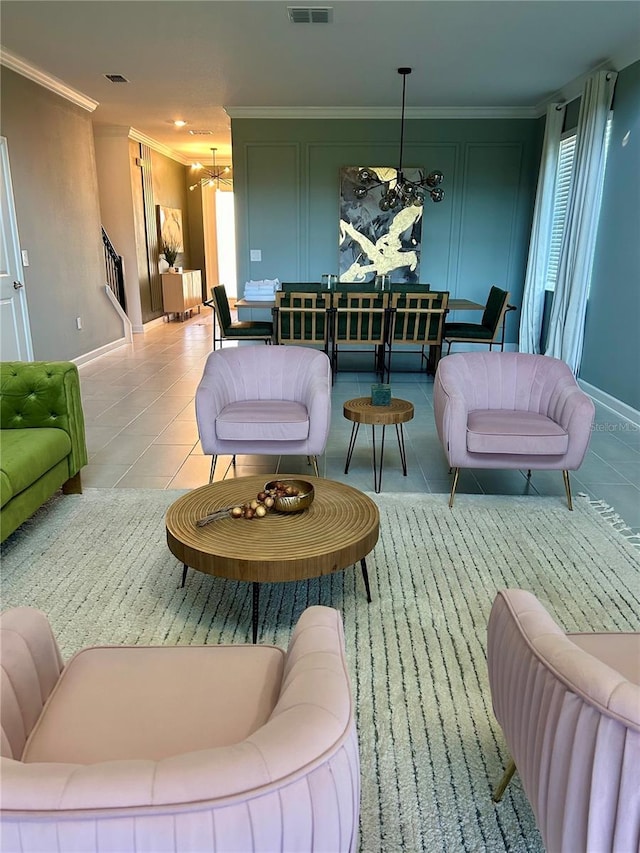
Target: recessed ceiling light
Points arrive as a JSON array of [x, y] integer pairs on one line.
[[180, 122]]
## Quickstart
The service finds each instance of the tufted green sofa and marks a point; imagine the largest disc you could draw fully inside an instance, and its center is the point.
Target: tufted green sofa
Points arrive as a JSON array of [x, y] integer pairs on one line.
[[42, 441]]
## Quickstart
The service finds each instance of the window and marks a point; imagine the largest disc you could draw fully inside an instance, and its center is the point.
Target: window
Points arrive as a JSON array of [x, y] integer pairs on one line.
[[564, 172], [564, 169]]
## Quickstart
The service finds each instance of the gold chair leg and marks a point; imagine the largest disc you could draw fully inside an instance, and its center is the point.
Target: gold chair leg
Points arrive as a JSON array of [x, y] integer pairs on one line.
[[454, 485], [214, 459], [313, 460], [506, 778], [567, 488]]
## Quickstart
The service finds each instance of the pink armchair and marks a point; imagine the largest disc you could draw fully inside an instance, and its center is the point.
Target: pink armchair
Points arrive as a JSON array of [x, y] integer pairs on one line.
[[177, 748], [270, 400], [511, 410], [569, 707]]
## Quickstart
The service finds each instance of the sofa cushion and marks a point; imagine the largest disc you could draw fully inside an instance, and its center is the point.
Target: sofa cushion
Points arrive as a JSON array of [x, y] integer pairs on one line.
[[263, 420], [138, 702], [27, 454], [506, 431]]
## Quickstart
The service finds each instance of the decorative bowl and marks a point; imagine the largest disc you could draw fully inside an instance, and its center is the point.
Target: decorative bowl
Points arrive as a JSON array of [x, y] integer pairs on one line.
[[292, 503]]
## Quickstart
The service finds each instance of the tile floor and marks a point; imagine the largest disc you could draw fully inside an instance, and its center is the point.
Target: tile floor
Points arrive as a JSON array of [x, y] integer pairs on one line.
[[141, 431]]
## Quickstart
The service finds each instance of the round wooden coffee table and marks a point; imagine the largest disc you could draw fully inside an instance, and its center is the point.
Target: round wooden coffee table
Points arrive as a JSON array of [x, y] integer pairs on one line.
[[360, 410], [339, 529]]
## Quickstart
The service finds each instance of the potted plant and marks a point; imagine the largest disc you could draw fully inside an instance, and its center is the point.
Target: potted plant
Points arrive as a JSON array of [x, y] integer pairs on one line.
[[170, 252]]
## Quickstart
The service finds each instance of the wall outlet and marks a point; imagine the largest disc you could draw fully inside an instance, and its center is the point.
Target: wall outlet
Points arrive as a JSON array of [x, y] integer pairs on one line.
[[78, 322], [256, 254]]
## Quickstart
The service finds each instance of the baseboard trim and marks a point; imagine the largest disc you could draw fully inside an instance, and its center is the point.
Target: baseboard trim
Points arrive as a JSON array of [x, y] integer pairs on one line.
[[96, 353], [157, 321], [621, 409]]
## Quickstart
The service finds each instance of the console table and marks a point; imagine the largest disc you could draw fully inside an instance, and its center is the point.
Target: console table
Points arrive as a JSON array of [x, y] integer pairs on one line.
[[181, 292]]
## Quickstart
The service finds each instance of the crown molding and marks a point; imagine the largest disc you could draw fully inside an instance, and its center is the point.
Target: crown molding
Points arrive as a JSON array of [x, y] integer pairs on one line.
[[48, 81], [381, 112], [138, 136], [574, 88]]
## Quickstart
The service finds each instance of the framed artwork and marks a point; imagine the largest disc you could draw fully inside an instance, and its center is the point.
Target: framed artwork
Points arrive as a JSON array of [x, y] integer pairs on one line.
[[170, 227], [376, 242]]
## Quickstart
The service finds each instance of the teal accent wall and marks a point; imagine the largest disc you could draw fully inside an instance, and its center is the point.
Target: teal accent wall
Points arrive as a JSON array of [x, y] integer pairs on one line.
[[611, 354], [286, 184]]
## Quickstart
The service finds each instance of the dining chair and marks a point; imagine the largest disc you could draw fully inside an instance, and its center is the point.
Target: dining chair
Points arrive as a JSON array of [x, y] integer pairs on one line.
[[302, 318], [569, 708], [416, 319], [239, 330], [359, 319], [409, 287], [300, 287], [490, 330]]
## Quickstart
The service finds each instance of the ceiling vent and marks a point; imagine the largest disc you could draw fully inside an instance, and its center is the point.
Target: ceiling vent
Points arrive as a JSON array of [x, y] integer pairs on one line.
[[310, 14], [200, 132], [116, 78]]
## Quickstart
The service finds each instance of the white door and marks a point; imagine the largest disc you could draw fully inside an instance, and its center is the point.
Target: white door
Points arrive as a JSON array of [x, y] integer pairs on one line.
[[15, 332]]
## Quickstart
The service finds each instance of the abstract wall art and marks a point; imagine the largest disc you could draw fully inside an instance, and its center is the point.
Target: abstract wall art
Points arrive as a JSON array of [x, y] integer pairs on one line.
[[170, 226], [376, 242]]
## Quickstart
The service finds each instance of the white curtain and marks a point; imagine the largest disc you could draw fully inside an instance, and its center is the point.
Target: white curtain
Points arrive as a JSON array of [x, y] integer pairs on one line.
[[534, 283], [566, 325]]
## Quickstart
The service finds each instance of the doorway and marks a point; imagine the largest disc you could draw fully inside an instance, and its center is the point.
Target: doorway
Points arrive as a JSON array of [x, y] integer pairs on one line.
[[15, 329]]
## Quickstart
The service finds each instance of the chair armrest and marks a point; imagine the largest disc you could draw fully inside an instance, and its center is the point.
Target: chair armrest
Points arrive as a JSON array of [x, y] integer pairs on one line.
[[574, 411], [41, 394], [216, 389], [450, 411], [317, 399], [31, 665]]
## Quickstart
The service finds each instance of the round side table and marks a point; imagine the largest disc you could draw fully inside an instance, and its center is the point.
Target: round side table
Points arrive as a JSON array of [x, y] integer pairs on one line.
[[361, 411]]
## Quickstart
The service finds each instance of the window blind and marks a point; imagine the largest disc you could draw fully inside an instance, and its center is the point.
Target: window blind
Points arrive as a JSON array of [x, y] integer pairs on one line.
[[563, 183]]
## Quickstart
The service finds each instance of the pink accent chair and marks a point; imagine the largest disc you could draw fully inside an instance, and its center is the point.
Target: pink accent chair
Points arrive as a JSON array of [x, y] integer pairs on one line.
[[511, 410], [268, 400], [177, 748], [569, 707]]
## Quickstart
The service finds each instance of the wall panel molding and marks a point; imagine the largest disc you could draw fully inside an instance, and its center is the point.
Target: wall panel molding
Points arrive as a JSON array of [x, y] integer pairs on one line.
[[504, 192]]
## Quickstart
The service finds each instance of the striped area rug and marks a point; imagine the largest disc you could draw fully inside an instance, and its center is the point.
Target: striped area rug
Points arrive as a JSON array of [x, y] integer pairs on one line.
[[431, 750]]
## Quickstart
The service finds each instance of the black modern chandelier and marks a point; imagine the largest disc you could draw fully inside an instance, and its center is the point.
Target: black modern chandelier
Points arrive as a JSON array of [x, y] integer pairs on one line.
[[212, 175], [401, 192]]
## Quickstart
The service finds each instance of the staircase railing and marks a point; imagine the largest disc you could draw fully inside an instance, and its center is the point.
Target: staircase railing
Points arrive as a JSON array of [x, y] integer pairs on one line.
[[114, 270]]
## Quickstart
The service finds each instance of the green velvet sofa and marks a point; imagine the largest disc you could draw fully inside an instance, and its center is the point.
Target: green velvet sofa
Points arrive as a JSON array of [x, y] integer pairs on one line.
[[42, 440]]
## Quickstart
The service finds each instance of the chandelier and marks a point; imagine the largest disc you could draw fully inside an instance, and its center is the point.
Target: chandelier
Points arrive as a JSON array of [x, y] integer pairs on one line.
[[212, 175], [401, 192]]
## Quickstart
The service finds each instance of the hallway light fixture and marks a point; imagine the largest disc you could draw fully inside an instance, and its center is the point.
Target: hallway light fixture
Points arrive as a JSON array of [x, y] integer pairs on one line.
[[212, 175], [400, 192]]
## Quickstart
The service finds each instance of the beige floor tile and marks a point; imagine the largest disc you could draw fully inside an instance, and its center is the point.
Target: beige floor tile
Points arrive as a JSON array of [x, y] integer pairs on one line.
[[160, 460], [123, 450], [146, 424], [170, 405], [188, 413], [179, 432], [102, 476], [131, 480], [194, 473], [98, 437]]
